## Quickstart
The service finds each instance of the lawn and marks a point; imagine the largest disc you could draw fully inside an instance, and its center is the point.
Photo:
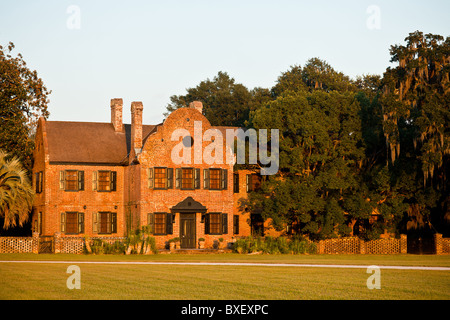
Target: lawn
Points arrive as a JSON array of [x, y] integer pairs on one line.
[[174, 282]]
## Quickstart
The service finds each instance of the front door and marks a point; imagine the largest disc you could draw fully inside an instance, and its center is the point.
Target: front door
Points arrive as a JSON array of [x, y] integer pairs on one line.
[[187, 230]]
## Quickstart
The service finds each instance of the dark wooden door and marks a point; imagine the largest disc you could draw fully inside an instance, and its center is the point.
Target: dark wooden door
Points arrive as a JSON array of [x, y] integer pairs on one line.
[[187, 230]]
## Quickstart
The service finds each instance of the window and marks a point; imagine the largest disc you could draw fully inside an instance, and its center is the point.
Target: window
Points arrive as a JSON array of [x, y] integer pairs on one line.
[[71, 180], [160, 178], [236, 224], [162, 222], [39, 182], [72, 222], [104, 222], [215, 179], [216, 223], [253, 182], [236, 183], [187, 178], [104, 181]]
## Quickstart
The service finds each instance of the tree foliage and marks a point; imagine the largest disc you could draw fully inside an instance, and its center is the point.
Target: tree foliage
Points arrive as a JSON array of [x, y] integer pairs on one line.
[[16, 193], [360, 156], [23, 99], [225, 102], [415, 100]]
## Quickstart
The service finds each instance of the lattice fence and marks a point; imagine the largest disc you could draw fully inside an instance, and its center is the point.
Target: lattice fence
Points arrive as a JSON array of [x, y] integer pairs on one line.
[[383, 246], [76, 244], [342, 245], [17, 244], [354, 245], [70, 245], [445, 246]]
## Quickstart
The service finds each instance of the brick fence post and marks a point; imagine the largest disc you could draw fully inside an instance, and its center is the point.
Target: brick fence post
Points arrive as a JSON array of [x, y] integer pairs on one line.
[[320, 247], [403, 243], [57, 242], [362, 246], [438, 243], [35, 243]]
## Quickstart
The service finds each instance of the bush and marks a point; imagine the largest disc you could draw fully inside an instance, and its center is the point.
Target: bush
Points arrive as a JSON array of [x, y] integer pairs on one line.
[[270, 245], [102, 247]]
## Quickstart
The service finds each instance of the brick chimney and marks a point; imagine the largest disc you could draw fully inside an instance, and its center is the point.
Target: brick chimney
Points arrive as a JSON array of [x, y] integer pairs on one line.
[[116, 114], [198, 105], [136, 125]]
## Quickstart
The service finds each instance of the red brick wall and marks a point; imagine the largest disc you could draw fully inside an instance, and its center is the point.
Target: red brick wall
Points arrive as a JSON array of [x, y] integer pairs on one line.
[[88, 201], [157, 152]]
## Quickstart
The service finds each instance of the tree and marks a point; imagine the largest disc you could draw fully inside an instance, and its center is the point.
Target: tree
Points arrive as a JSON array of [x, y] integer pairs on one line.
[[23, 99], [415, 101], [225, 102], [321, 153], [317, 74], [16, 193]]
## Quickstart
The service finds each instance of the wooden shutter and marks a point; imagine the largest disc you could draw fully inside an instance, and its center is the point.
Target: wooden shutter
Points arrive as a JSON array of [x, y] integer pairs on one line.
[[236, 182], [63, 222], [113, 222], [150, 178], [151, 222], [80, 222], [178, 178], [249, 182], [169, 180], [108, 222], [224, 179], [207, 223], [236, 224], [224, 223], [81, 180], [205, 178], [94, 180], [113, 181], [197, 178], [38, 182], [62, 180], [169, 223], [95, 222], [39, 226]]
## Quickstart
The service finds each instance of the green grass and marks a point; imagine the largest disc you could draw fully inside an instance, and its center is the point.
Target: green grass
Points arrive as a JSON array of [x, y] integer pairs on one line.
[[48, 281]]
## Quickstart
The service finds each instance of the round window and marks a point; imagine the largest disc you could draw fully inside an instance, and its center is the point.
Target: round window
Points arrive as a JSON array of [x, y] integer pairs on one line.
[[188, 141]]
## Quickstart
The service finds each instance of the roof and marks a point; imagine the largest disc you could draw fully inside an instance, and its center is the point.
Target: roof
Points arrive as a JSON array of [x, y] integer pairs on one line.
[[189, 205], [93, 142], [89, 142]]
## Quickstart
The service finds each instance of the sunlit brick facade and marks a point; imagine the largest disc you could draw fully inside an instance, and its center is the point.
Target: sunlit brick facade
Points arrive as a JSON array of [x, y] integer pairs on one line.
[[109, 179]]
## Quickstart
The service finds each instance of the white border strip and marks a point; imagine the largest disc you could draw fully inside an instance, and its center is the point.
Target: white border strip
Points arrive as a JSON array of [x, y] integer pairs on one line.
[[250, 264]]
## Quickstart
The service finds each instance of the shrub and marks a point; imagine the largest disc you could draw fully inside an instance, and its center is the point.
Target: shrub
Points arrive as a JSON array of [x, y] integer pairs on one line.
[[270, 245]]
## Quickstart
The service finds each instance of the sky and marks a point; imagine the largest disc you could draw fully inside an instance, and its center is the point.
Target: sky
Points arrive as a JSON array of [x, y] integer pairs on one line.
[[88, 52]]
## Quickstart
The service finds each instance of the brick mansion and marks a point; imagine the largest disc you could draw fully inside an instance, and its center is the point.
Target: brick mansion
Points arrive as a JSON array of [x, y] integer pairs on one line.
[[109, 179]]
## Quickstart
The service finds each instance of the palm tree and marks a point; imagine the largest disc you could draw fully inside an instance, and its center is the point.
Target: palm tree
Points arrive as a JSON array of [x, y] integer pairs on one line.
[[16, 192]]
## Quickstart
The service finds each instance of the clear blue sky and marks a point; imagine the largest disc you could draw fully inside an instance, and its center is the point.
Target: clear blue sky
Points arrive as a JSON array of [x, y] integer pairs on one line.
[[149, 50]]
